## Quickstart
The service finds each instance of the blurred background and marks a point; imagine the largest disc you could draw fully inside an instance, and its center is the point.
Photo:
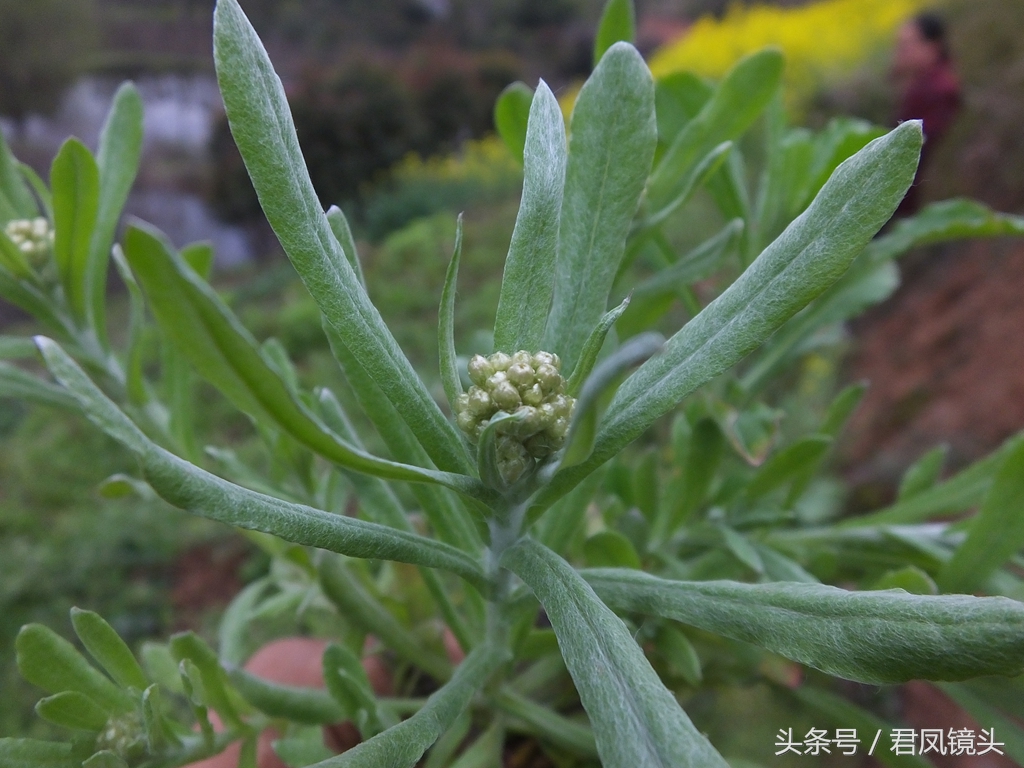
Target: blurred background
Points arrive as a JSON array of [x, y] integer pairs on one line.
[[393, 104]]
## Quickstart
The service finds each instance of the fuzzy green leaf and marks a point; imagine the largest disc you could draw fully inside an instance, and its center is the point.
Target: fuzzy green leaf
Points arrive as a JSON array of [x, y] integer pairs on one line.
[[197, 491], [15, 198], [637, 721], [262, 126], [189, 647], [75, 180], [109, 650], [943, 221], [613, 136], [309, 706], [32, 300], [210, 336], [923, 473], [118, 162], [342, 588], [739, 99], [526, 285], [695, 265], [870, 637], [450, 378], [511, 116], [403, 745], [49, 661], [787, 464], [996, 533], [805, 259], [964, 490], [72, 710], [343, 233], [618, 24], [18, 383]]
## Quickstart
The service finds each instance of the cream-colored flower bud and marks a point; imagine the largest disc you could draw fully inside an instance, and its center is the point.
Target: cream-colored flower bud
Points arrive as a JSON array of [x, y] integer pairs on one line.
[[33, 237], [521, 374], [466, 421], [547, 358], [533, 396], [513, 459], [505, 396], [522, 357], [548, 377], [479, 402], [495, 380], [479, 369], [563, 405], [559, 429], [531, 387]]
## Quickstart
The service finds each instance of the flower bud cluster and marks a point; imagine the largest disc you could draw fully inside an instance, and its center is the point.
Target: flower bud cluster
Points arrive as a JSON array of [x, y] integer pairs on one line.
[[525, 385], [125, 735], [33, 237]]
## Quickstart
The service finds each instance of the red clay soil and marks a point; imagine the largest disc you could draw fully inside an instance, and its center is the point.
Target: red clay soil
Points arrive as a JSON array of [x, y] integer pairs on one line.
[[204, 578], [945, 359], [925, 706]]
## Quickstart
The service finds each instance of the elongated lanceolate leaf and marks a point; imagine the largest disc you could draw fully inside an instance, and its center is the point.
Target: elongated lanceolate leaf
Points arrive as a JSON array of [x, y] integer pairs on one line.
[[263, 129], [996, 533], [220, 349], [695, 265], [310, 706], [962, 491], [402, 746], [637, 721], [109, 650], [73, 710], [118, 161], [22, 385], [511, 116], [447, 357], [343, 233], [367, 613], [527, 283], [32, 300], [613, 136], [946, 220], [618, 24], [732, 109], [49, 661], [873, 637], [805, 259], [190, 488], [75, 180], [38, 186], [15, 199], [450, 521]]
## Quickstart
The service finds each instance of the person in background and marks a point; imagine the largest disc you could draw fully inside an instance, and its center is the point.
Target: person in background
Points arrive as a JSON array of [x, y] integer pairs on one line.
[[929, 88]]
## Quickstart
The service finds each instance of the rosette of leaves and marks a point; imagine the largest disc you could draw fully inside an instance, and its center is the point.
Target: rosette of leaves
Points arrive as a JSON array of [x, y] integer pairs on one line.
[[489, 547]]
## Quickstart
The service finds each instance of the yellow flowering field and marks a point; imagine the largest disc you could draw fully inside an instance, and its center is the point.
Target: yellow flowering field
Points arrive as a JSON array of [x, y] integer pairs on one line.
[[820, 40], [483, 161]]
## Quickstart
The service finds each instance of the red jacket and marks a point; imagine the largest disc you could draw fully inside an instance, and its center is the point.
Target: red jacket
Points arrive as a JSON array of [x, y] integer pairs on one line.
[[933, 96]]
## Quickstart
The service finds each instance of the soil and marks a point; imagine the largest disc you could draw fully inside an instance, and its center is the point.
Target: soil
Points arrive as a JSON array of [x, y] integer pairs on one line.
[[206, 578], [945, 361]]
